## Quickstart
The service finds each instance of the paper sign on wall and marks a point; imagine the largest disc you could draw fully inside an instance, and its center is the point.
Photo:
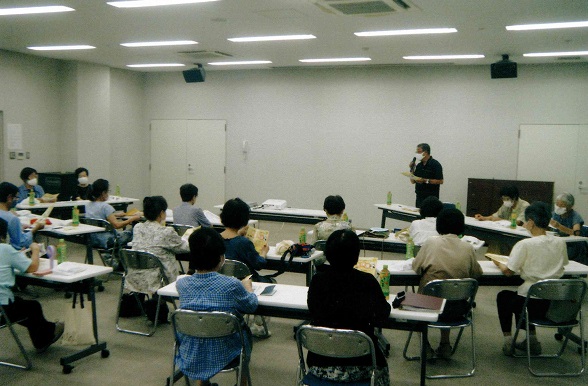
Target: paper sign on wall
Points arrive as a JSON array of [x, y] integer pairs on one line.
[[14, 136]]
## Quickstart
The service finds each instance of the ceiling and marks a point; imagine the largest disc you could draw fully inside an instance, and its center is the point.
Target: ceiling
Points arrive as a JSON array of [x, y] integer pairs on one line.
[[480, 24]]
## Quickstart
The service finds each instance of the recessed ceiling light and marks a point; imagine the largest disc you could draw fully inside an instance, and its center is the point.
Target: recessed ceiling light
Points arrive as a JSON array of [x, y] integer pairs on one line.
[[528, 27], [33, 10], [398, 32], [61, 48], [544, 54], [159, 44], [327, 60], [272, 38], [442, 57], [240, 62], [152, 3], [150, 65]]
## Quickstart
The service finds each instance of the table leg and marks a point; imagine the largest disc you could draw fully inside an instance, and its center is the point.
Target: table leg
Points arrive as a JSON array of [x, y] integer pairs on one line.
[[383, 224]]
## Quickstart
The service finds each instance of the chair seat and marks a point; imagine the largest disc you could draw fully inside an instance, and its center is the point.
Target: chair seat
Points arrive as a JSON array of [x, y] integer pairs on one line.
[[548, 323], [312, 380], [452, 324]]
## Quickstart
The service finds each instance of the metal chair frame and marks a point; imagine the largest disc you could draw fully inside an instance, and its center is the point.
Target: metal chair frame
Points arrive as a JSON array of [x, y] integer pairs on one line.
[[332, 342], [141, 260], [452, 289], [210, 324], [180, 230], [570, 291], [114, 251], [6, 322]]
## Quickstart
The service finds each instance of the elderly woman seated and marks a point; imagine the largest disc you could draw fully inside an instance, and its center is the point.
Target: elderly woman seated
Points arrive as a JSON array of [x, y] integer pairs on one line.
[[565, 219]]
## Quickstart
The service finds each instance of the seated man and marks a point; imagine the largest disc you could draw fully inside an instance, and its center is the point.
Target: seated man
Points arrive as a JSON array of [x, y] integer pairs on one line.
[[334, 206], [511, 203], [421, 230], [18, 238], [42, 332], [187, 213], [208, 290], [564, 218], [30, 181]]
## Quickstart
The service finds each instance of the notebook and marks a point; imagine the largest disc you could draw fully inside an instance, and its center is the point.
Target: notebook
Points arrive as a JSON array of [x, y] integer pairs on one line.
[[422, 303]]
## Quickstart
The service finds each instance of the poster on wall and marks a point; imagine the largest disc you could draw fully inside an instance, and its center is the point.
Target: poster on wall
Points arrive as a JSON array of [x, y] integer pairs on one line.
[[14, 136]]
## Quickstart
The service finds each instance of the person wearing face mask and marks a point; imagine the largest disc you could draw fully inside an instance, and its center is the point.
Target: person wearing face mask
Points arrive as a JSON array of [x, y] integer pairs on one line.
[[537, 258], [30, 181], [565, 219], [511, 203], [187, 213], [153, 236], [428, 174], [18, 238], [83, 183]]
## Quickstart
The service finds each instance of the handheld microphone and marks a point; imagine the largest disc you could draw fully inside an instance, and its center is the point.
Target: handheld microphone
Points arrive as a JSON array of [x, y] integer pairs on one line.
[[413, 159], [413, 163]]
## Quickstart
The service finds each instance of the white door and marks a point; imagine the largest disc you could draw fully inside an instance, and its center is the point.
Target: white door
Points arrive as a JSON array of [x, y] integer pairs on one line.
[[554, 153], [188, 151]]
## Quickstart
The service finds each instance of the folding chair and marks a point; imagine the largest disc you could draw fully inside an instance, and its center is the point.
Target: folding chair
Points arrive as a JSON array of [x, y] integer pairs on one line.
[[338, 343], [6, 322], [180, 230], [210, 324], [141, 260], [453, 290], [564, 313], [112, 251]]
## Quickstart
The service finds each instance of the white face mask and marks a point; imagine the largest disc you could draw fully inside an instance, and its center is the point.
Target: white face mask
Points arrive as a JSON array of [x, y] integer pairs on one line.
[[559, 210], [32, 182], [419, 156], [507, 203], [83, 180]]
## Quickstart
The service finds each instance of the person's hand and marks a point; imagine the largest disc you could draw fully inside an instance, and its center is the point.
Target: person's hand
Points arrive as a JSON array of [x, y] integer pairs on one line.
[[247, 283], [411, 165], [243, 231], [479, 217], [264, 251], [38, 225], [35, 248], [554, 224]]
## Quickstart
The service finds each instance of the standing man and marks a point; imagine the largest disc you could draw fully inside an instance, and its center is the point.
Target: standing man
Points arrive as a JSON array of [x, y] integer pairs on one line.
[[428, 174]]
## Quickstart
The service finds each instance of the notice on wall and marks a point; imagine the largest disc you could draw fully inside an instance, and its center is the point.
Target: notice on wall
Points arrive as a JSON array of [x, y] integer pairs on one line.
[[14, 136]]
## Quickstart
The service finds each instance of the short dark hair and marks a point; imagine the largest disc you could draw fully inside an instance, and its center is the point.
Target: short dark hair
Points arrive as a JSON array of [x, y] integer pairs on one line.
[[153, 206], [3, 229], [206, 248], [334, 204], [450, 220], [26, 172], [235, 213], [540, 213], [510, 191], [188, 191], [79, 170], [430, 207], [425, 147], [97, 188], [342, 249], [7, 189]]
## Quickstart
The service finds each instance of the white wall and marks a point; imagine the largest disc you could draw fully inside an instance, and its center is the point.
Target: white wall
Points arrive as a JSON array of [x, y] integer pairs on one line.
[[351, 131]]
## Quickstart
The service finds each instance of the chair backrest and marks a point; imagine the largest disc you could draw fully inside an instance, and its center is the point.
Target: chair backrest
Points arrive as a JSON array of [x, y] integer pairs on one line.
[[453, 289], [235, 268], [566, 296], [584, 231], [181, 229], [142, 260], [98, 223], [205, 324], [337, 343]]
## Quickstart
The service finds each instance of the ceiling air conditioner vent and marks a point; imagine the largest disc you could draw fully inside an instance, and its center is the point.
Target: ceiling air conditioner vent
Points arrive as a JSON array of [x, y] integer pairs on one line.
[[365, 7], [204, 54]]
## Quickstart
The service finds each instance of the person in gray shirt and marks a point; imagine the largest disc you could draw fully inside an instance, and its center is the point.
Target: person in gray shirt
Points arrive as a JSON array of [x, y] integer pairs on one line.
[[187, 213]]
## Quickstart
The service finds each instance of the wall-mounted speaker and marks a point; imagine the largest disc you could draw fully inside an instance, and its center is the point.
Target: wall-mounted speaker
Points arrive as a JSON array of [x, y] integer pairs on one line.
[[194, 75], [503, 69]]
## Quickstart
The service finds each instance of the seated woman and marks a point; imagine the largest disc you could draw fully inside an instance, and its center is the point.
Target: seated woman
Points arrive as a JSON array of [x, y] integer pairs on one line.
[[207, 290], [83, 187], [537, 258], [565, 219], [154, 237], [334, 207], [447, 257], [421, 230], [30, 181], [98, 208], [511, 203], [343, 297], [42, 332]]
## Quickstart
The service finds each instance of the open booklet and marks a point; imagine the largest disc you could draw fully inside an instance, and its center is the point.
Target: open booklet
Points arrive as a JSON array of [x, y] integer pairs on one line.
[[367, 264], [258, 237], [411, 176], [499, 258]]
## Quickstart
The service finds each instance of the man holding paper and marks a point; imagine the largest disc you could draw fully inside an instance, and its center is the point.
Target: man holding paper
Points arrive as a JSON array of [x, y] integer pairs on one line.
[[427, 174]]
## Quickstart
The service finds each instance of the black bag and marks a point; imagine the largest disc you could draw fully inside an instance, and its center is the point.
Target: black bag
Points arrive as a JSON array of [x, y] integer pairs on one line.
[[151, 308], [295, 250], [129, 306]]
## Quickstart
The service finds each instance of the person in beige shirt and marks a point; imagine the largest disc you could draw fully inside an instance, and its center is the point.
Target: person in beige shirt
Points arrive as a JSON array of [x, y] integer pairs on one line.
[[511, 203], [447, 257]]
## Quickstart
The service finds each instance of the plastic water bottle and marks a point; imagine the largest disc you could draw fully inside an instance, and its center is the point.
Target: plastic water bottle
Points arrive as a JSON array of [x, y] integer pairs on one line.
[[61, 251], [513, 220], [458, 206], [302, 236], [75, 216], [32, 197], [117, 191], [345, 217], [385, 281], [409, 248], [389, 198]]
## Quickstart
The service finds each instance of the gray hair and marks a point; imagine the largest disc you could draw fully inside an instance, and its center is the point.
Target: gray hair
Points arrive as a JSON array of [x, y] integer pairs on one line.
[[566, 198]]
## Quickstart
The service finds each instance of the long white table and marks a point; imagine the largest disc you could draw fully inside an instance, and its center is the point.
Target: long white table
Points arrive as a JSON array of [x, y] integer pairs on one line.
[[82, 282], [112, 200], [292, 215], [290, 301]]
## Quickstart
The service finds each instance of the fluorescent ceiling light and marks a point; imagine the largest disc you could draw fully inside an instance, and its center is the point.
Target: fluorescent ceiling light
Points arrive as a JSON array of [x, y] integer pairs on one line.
[[61, 48], [442, 57], [327, 60], [239, 63], [272, 38], [544, 54], [398, 32], [156, 65], [159, 44], [33, 10], [528, 27], [152, 3]]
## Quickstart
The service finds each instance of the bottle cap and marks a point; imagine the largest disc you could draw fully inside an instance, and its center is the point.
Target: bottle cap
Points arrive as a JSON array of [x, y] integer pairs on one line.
[[385, 266], [61, 240]]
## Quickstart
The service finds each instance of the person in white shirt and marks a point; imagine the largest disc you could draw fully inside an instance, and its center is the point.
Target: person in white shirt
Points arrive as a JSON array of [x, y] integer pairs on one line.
[[421, 230], [537, 258]]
